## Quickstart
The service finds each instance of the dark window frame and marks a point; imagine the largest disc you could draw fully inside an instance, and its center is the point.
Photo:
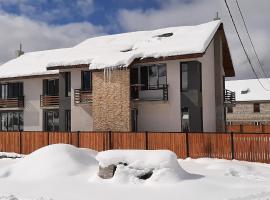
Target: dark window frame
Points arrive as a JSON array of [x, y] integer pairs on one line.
[[229, 109], [186, 62], [256, 108], [12, 90], [84, 86], [68, 120], [67, 84], [145, 77], [48, 90], [20, 121], [45, 120]]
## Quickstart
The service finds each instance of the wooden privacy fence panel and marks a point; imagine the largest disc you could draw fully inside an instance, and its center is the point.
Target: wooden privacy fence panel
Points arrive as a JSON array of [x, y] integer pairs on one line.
[[10, 142], [233, 128], [31, 141], [210, 145], [252, 129], [128, 140], [64, 138], [98, 141], [175, 142], [252, 147]]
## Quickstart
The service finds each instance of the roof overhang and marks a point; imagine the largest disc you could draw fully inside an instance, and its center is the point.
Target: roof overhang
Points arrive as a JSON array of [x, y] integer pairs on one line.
[[227, 60]]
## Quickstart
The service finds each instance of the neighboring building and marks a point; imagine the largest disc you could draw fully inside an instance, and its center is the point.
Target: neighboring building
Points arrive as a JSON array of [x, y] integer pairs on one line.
[[169, 79], [252, 102]]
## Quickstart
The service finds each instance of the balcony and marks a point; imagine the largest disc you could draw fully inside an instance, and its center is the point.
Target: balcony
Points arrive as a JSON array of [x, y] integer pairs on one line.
[[83, 97], [49, 101], [139, 92], [229, 98], [17, 102]]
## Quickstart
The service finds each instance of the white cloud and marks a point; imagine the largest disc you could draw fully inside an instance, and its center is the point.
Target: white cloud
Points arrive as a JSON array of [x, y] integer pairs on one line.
[[180, 12], [39, 36]]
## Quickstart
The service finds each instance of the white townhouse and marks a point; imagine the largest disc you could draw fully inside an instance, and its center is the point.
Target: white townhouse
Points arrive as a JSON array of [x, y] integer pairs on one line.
[[168, 79]]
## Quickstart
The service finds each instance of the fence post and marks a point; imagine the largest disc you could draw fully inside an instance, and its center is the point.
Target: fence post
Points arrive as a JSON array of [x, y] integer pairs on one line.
[[241, 128], [48, 138], [78, 138], [20, 142], [110, 140], [263, 128], [146, 140], [187, 145], [232, 145]]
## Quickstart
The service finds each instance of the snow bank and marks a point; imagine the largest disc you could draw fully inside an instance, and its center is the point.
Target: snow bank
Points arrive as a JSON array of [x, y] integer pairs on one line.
[[52, 161], [131, 164]]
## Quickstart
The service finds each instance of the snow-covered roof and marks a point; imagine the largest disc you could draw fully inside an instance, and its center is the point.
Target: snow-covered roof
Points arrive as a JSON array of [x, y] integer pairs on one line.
[[250, 89], [116, 50]]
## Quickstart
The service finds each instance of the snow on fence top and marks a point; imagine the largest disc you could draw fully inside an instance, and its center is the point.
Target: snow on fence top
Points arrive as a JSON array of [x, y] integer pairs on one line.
[[249, 89], [116, 50]]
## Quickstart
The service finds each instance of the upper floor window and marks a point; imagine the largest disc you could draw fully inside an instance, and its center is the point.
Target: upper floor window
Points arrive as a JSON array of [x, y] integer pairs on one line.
[[11, 90], [153, 76], [256, 107], [86, 80], [51, 87], [184, 77], [67, 84]]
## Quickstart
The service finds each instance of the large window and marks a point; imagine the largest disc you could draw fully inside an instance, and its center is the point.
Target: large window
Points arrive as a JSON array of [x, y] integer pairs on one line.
[[51, 120], [67, 84], [184, 77], [11, 121], [11, 90], [153, 76], [86, 81], [68, 120], [51, 87]]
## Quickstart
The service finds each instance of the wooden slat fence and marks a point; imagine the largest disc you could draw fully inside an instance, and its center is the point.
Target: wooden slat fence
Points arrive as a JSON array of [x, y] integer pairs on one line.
[[250, 146], [172, 141]]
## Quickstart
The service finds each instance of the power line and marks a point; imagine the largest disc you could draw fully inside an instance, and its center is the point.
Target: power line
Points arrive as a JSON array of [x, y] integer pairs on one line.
[[242, 44], [251, 41]]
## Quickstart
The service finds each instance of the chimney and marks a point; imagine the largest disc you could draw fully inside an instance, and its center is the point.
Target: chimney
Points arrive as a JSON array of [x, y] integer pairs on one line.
[[19, 52], [217, 17]]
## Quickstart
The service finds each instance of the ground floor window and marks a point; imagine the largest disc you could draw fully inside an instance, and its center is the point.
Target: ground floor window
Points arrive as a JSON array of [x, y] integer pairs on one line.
[[68, 120], [51, 120], [11, 121]]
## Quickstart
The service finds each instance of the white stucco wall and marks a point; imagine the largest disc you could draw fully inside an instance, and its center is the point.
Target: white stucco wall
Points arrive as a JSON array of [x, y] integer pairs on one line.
[[166, 116], [81, 115], [33, 114]]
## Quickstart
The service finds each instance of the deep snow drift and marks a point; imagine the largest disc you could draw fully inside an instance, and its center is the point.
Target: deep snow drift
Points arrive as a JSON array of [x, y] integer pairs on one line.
[[162, 165], [64, 172], [50, 162]]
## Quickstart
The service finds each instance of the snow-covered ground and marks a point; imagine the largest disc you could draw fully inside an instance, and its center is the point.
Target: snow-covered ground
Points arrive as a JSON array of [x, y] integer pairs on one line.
[[64, 172]]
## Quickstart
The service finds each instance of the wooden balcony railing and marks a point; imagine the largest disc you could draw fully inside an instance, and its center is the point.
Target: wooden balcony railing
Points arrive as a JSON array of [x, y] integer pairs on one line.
[[83, 97], [137, 89], [17, 102], [49, 101], [229, 98]]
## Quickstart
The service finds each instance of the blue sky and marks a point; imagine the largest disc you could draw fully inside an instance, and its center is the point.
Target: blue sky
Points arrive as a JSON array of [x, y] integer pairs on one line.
[[48, 24]]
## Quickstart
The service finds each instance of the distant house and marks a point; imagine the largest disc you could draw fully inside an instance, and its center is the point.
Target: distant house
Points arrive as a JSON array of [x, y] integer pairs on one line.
[[252, 102], [169, 79]]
